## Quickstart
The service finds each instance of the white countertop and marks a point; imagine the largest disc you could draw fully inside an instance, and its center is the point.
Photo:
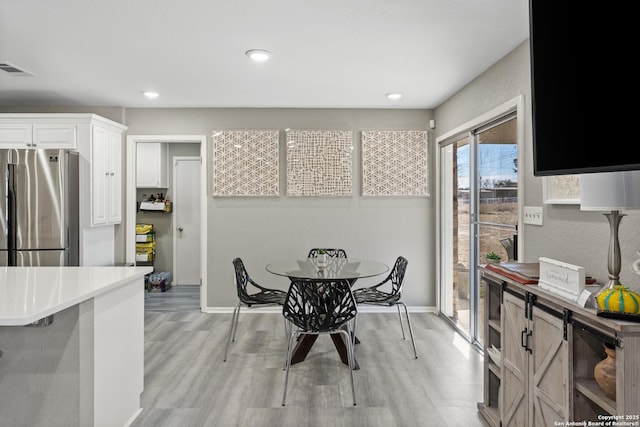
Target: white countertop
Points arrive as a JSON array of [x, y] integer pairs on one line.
[[28, 294]]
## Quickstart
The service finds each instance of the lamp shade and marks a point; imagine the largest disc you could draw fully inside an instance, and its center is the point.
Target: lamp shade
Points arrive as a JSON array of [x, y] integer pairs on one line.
[[609, 191]]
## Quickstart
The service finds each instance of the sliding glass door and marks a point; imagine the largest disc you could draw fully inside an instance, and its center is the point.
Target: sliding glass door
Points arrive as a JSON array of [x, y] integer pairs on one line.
[[478, 215]]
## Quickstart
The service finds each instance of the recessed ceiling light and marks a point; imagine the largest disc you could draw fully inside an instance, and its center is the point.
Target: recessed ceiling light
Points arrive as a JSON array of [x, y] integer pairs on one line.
[[258, 55], [394, 95], [150, 94]]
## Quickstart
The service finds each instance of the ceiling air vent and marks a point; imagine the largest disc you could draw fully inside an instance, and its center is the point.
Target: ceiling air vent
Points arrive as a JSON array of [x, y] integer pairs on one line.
[[13, 70]]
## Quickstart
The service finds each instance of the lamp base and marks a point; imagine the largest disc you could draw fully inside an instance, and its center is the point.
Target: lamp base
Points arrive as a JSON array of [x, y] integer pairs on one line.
[[611, 283], [614, 262]]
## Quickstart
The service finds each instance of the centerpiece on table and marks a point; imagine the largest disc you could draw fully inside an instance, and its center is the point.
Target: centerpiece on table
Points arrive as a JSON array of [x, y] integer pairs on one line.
[[321, 259]]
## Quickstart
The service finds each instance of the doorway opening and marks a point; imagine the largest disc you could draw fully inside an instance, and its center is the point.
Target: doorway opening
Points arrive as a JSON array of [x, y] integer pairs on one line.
[[479, 209], [177, 146]]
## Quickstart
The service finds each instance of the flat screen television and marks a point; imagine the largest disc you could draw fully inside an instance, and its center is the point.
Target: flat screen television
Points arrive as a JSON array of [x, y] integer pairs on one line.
[[582, 88]]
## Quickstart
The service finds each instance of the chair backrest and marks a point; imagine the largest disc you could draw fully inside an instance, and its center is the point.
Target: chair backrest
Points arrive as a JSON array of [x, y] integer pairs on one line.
[[242, 278], [396, 277], [333, 253], [319, 305]]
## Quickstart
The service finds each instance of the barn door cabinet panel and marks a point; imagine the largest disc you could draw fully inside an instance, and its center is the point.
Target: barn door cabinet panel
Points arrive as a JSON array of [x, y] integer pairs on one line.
[[549, 348], [535, 363]]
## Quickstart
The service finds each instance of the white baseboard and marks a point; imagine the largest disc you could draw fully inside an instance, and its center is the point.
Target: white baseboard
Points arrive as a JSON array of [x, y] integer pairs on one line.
[[361, 309]]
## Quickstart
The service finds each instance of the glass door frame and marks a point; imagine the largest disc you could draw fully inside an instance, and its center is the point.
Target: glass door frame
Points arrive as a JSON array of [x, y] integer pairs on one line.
[[468, 129]]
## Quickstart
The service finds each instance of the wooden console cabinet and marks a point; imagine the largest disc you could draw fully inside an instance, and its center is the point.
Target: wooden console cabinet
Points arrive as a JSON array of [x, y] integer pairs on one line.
[[549, 347]]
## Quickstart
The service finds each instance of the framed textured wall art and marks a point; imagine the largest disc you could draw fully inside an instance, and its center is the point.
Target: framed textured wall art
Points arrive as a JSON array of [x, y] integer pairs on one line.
[[319, 163], [394, 163], [245, 163], [561, 190]]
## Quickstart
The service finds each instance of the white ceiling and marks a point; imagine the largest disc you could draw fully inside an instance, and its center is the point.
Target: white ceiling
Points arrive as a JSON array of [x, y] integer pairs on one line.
[[326, 53]]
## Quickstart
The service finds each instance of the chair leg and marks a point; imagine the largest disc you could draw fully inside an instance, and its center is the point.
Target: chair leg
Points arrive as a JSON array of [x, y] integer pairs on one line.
[[350, 356], [288, 365], [353, 332], [232, 330], [235, 322], [400, 317], [288, 326], [406, 312]]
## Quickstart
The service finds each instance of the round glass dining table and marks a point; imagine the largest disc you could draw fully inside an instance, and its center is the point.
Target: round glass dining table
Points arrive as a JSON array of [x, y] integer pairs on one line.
[[335, 268]]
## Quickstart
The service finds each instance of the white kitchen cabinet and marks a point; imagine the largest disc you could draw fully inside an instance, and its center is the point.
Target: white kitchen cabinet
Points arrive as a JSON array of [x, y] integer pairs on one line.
[[98, 142], [15, 132], [151, 165], [106, 175]]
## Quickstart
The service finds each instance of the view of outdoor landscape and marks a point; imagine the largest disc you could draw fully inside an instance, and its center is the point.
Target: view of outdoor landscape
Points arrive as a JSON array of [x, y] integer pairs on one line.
[[494, 224]]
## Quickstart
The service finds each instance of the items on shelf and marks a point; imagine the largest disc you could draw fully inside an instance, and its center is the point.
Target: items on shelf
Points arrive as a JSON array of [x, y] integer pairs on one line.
[[619, 302], [157, 203], [605, 372], [145, 243]]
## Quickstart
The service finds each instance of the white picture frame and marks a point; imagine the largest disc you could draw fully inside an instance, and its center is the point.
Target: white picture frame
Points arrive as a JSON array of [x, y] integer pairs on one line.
[[561, 190], [319, 163], [245, 163], [395, 163]]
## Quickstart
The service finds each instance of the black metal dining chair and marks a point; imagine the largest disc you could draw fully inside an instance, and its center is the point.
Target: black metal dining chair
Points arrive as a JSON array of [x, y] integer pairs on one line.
[[263, 297], [334, 253], [381, 295], [320, 306]]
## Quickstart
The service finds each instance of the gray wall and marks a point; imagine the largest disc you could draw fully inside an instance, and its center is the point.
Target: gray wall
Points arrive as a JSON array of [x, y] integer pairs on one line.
[[261, 230], [567, 234]]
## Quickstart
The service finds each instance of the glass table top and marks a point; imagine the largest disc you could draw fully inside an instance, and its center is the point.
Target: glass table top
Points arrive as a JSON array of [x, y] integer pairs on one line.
[[336, 268]]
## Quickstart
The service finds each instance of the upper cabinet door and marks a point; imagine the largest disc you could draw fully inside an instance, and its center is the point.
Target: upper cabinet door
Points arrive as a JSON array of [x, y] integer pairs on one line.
[[99, 175], [115, 178], [106, 176], [51, 135], [151, 165], [54, 136], [16, 135]]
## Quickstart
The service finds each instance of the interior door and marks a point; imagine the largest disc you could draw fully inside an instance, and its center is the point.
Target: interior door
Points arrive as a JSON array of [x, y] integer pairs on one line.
[[186, 215]]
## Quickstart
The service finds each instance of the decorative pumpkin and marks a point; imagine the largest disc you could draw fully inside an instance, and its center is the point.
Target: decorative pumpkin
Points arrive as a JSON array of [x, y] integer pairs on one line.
[[618, 300]]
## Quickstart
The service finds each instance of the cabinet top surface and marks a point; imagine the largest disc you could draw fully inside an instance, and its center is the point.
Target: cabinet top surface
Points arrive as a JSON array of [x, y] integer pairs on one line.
[[589, 314], [28, 294], [79, 118]]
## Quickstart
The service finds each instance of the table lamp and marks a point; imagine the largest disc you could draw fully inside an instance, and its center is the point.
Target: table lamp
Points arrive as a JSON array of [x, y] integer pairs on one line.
[[614, 192]]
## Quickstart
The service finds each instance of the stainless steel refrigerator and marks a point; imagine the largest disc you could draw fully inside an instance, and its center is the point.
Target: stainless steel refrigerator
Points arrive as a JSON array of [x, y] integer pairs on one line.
[[38, 207]]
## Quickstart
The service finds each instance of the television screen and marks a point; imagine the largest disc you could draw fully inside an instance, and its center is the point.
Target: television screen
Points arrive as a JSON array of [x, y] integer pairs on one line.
[[581, 88]]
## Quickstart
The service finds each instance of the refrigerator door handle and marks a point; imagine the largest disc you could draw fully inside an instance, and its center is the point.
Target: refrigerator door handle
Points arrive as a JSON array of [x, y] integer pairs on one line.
[[11, 213]]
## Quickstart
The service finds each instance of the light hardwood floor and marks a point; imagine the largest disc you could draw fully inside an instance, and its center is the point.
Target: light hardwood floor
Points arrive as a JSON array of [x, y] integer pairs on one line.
[[188, 384]]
